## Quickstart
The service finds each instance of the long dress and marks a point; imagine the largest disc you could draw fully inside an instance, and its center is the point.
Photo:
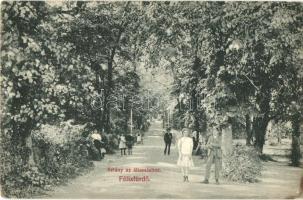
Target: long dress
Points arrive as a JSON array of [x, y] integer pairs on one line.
[[185, 146], [139, 138], [122, 144]]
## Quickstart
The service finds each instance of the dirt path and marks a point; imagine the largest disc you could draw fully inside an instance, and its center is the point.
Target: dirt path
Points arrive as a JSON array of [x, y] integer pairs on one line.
[[278, 180]]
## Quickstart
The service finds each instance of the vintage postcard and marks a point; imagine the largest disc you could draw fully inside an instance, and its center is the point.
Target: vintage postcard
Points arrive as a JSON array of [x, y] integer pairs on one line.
[[151, 99]]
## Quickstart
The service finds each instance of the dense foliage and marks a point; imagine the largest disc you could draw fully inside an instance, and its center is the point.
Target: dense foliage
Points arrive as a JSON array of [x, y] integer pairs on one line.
[[58, 152], [79, 60], [46, 78], [244, 165], [237, 60]]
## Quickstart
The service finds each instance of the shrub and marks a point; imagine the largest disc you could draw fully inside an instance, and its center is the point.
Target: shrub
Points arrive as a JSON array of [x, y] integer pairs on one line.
[[58, 152], [58, 155], [244, 165], [24, 183]]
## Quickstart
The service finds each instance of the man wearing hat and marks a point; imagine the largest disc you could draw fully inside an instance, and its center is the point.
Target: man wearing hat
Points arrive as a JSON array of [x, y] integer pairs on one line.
[[214, 154], [168, 136]]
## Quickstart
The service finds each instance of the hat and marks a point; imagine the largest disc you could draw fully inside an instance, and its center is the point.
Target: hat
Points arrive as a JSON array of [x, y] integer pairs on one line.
[[186, 129]]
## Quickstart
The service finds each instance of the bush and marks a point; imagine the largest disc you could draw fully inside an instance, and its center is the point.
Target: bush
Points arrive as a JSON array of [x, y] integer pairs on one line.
[[244, 165], [58, 151], [58, 155], [25, 183]]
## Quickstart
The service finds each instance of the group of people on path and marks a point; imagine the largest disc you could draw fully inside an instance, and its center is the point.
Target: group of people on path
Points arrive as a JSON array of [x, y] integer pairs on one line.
[[100, 143], [128, 141], [185, 146]]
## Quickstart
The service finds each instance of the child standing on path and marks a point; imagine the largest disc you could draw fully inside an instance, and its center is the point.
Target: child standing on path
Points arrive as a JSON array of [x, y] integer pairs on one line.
[[185, 147], [122, 144], [139, 138]]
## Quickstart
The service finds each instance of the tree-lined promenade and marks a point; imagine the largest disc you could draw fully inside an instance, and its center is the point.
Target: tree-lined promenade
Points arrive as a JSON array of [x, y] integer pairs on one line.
[[104, 184], [65, 64]]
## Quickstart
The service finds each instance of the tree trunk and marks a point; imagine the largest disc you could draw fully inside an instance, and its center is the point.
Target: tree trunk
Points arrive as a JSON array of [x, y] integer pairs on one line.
[[248, 130], [260, 125], [110, 85], [108, 92], [194, 108], [295, 145], [29, 145], [98, 84], [261, 122], [22, 144], [227, 141]]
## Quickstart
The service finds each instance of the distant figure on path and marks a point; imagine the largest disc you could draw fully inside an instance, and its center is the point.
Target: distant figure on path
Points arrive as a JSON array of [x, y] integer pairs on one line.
[[195, 139], [129, 143], [168, 136], [214, 154], [198, 150], [122, 144], [104, 145], [97, 140], [139, 138], [185, 147]]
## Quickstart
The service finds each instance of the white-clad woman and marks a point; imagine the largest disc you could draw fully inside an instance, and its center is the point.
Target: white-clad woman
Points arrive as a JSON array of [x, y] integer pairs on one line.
[[185, 147], [122, 144], [139, 138]]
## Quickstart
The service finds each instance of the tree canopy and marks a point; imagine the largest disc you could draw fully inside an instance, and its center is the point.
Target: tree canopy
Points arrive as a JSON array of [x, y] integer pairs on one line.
[[240, 61]]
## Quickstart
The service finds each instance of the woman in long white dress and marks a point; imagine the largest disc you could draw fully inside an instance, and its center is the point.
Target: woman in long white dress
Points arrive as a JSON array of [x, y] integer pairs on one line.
[[122, 144], [185, 147], [139, 138]]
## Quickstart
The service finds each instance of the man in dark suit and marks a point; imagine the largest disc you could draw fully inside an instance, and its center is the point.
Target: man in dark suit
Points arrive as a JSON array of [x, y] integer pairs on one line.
[[168, 136], [129, 143]]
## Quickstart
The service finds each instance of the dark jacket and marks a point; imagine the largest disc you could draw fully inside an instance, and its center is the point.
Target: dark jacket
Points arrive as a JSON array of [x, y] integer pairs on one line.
[[129, 141], [168, 137]]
